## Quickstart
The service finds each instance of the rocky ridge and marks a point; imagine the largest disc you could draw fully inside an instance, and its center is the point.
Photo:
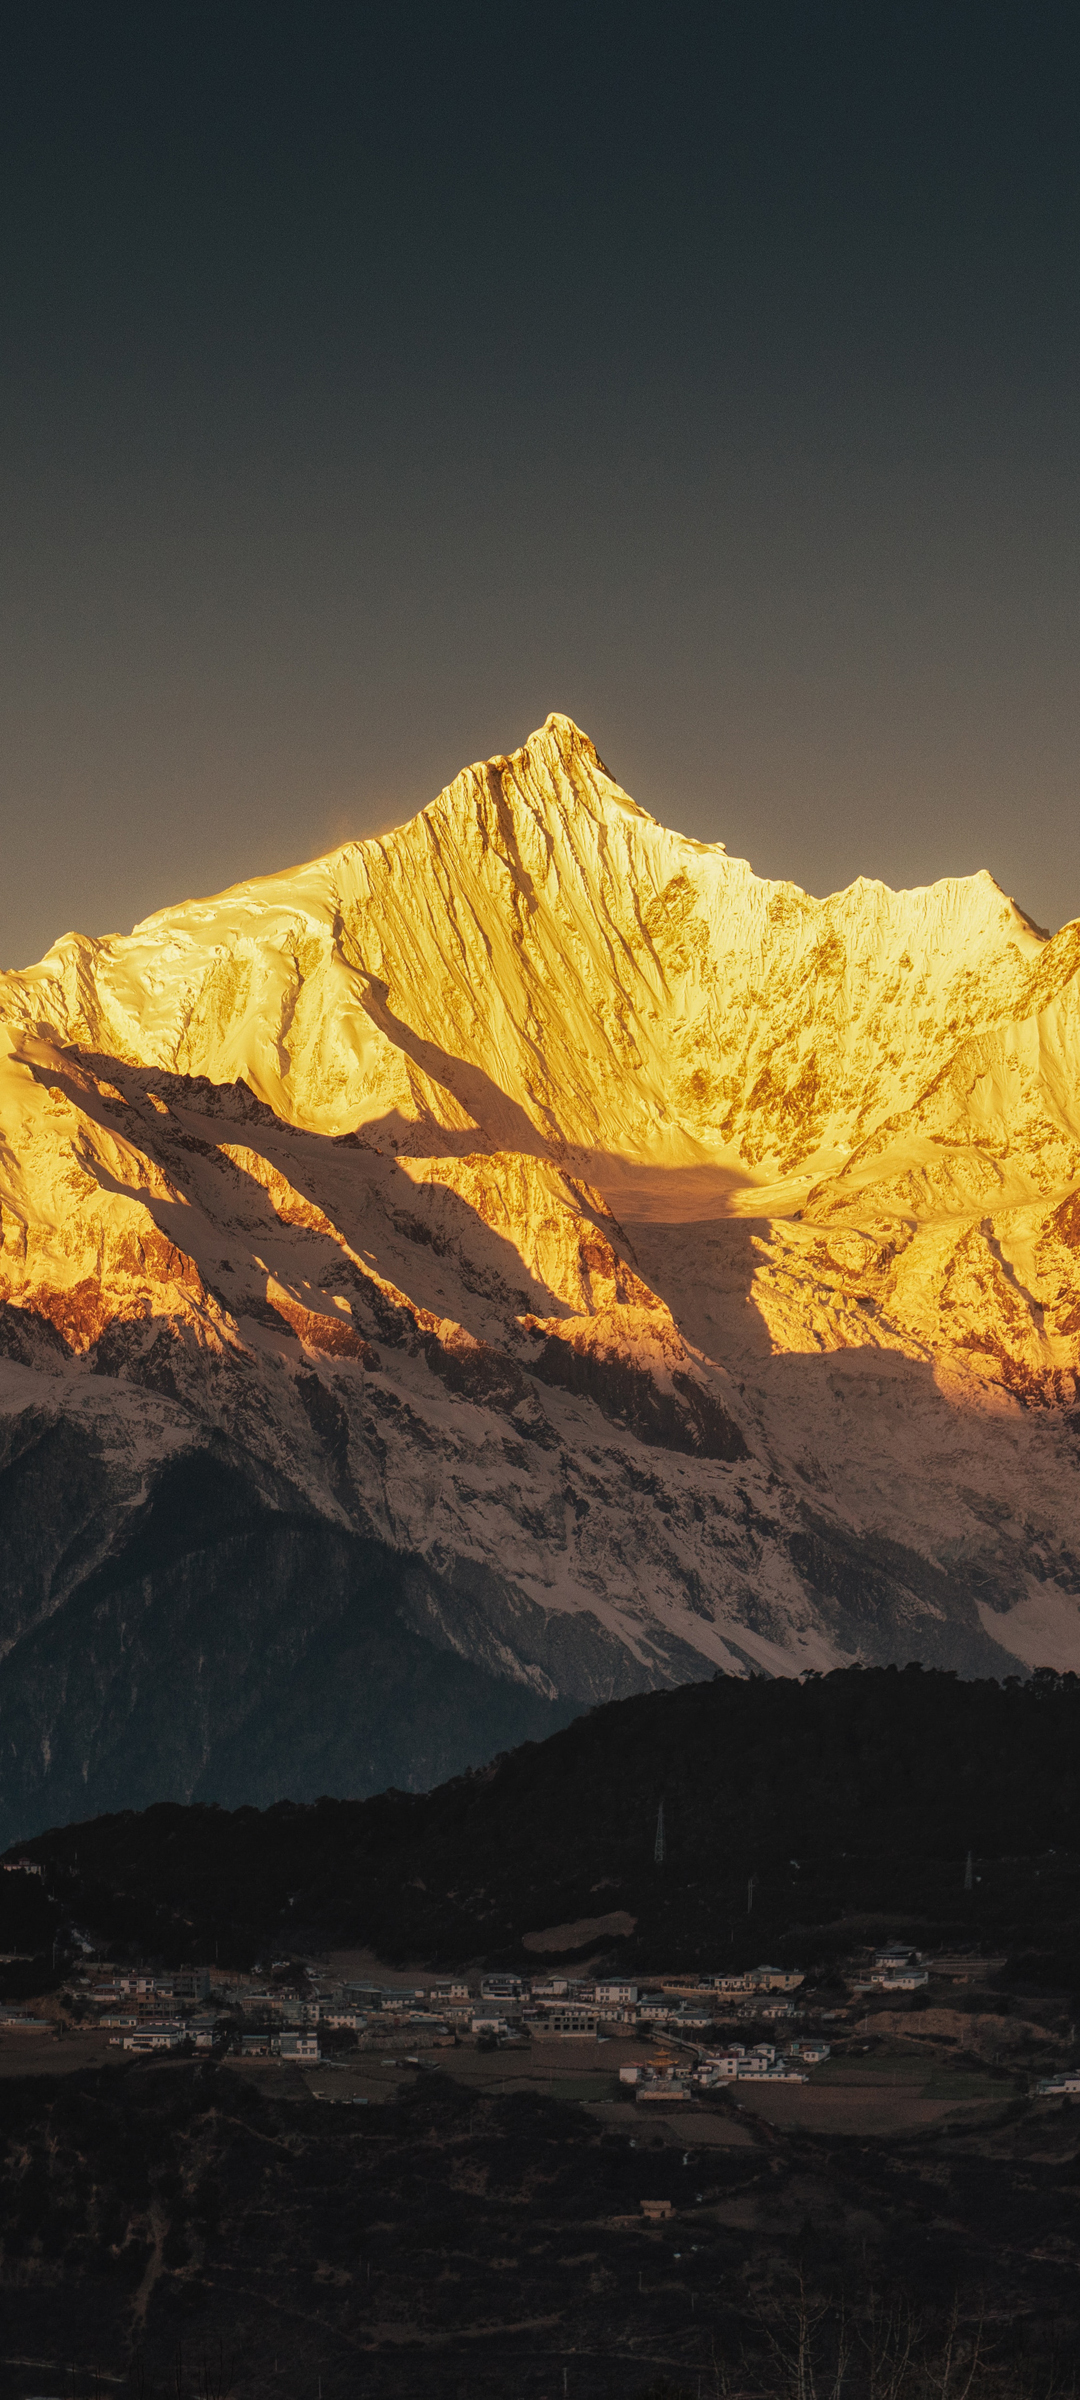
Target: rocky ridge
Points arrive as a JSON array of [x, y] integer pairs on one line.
[[512, 1262]]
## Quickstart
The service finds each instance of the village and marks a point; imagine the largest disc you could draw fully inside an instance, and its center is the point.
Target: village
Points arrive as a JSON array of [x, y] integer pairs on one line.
[[691, 2035], [666, 2039], [302, 2015]]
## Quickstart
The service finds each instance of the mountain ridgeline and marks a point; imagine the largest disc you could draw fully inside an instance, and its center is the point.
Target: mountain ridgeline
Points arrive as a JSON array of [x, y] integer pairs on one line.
[[512, 1264]]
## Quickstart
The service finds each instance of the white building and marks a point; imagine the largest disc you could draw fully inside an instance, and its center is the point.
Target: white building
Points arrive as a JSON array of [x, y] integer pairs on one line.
[[891, 1979], [300, 2046], [202, 2031]]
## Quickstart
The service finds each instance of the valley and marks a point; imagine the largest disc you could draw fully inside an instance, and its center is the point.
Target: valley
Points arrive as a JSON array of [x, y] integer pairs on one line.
[[658, 2162]]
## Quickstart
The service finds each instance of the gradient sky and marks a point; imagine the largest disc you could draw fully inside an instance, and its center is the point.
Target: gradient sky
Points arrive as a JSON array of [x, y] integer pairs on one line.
[[376, 379]]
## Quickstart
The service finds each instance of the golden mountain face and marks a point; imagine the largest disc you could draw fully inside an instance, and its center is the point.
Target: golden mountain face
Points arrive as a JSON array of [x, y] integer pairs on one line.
[[576, 1212]]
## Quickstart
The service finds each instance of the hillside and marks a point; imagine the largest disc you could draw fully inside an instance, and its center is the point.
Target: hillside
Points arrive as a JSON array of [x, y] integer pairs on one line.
[[195, 2230], [851, 1799], [244, 2218], [518, 1261]]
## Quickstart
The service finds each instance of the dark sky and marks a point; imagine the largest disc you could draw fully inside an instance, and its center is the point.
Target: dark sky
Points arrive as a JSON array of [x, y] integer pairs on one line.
[[375, 379]]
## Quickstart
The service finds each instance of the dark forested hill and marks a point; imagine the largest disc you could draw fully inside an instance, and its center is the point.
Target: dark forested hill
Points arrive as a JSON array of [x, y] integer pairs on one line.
[[858, 1793]]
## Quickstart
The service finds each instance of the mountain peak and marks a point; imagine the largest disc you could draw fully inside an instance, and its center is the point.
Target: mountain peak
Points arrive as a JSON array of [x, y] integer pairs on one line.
[[560, 732], [558, 738], [533, 962], [557, 765], [308, 1199]]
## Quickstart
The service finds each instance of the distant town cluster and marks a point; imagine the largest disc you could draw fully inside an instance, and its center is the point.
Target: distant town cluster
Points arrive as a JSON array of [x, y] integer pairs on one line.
[[286, 2011], [681, 2025]]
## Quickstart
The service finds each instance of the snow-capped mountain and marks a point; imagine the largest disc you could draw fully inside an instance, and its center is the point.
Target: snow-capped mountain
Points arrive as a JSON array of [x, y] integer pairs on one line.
[[511, 1262]]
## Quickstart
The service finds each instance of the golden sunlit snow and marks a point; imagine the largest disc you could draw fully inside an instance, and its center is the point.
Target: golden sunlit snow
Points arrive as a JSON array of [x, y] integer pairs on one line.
[[679, 1250]]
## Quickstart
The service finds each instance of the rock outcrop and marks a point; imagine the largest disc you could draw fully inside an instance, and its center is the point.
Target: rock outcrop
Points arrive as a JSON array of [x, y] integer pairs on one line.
[[513, 1262]]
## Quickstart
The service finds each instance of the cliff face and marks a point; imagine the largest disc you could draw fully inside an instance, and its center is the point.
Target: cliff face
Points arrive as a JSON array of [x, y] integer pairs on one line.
[[513, 1262]]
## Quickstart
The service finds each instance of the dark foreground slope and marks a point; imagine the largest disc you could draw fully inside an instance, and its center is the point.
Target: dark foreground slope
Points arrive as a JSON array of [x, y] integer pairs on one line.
[[859, 1793], [211, 2229], [195, 2233]]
